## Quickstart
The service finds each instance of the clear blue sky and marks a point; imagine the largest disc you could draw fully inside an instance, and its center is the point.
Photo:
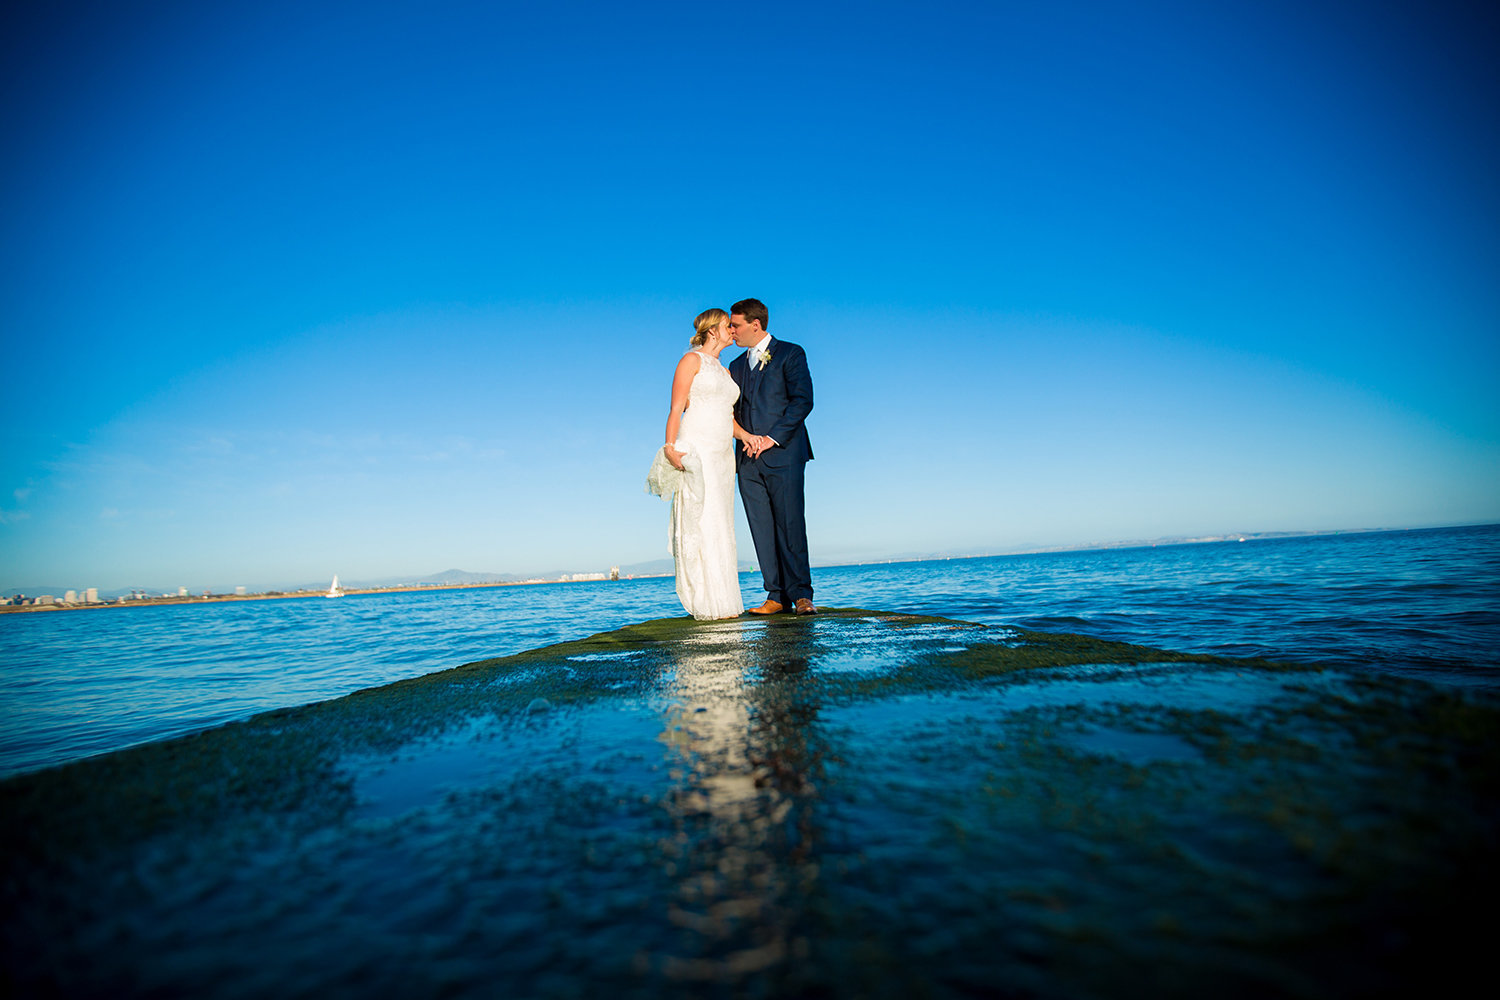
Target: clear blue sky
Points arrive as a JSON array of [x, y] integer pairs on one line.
[[292, 289]]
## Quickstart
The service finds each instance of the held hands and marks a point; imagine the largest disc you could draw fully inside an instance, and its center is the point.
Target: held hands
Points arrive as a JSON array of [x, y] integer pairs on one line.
[[754, 445], [757, 443]]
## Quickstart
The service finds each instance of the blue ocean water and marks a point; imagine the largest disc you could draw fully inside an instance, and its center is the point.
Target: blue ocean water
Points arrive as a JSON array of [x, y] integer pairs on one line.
[[1418, 603]]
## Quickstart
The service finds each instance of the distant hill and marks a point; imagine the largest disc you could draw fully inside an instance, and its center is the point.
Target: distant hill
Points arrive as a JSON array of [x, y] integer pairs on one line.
[[37, 591], [454, 576], [654, 567]]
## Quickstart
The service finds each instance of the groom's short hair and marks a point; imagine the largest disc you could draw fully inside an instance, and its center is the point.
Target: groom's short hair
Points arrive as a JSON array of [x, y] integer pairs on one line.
[[752, 310]]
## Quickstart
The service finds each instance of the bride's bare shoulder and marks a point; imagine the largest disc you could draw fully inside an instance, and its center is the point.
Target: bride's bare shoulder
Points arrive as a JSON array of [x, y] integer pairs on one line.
[[687, 371]]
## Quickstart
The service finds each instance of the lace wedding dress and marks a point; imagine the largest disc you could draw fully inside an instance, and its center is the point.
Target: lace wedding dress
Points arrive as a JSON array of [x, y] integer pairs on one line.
[[700, 532]]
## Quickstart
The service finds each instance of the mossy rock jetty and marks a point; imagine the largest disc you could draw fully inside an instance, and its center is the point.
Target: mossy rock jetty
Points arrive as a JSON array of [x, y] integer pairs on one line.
[[855, 804]]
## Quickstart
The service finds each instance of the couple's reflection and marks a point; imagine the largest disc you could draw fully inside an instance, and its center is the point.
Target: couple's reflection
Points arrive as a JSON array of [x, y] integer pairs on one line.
[[749, 761]]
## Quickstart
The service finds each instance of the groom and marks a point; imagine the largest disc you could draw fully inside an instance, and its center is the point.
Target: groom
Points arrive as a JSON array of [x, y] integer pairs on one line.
[[776, 395]]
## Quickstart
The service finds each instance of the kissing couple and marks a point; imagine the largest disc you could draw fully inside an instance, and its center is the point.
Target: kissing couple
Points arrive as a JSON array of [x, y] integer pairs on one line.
[[747, 418]]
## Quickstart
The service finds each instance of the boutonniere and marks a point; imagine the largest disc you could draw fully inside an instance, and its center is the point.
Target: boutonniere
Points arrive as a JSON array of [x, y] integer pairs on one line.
[[762, 358]]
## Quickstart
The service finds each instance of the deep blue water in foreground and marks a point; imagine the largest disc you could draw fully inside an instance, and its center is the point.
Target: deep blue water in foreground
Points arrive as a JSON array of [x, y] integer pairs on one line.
[[1417, 603]]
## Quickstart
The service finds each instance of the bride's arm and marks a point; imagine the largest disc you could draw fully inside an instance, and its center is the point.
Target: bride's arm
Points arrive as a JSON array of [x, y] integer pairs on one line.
[[682, 381], [752, 442]]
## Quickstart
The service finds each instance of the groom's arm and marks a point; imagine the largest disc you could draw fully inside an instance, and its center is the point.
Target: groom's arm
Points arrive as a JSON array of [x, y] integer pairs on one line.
[[799, 397]]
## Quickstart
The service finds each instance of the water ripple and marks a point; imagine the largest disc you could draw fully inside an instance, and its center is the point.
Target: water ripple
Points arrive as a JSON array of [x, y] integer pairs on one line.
[[1417, 603]]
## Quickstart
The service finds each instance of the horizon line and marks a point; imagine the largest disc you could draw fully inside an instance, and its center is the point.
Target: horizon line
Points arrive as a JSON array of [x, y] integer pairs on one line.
[[869, 561]]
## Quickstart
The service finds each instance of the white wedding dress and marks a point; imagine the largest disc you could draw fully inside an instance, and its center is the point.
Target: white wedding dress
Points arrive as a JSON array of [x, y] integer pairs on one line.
[[700, 533]]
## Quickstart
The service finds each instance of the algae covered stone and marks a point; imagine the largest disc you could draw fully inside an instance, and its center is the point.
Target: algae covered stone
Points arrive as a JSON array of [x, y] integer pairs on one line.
[[861, 804]]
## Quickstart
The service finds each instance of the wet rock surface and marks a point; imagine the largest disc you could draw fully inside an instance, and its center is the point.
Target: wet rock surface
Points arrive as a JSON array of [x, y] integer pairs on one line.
[[857, 804]]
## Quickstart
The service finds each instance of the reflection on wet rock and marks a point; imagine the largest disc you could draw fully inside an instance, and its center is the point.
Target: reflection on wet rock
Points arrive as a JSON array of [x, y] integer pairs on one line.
[[742, 805]]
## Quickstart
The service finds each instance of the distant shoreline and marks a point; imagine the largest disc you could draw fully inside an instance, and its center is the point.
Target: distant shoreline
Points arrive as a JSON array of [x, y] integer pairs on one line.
[[1235, 536], [1151, 543], [291, 595]]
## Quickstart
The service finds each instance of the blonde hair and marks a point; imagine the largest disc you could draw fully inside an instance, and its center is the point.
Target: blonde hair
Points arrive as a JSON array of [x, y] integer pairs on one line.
[[705, 323]]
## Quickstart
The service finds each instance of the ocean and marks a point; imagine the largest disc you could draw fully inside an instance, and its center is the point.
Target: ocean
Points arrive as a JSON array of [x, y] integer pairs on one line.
[[1420, 603]]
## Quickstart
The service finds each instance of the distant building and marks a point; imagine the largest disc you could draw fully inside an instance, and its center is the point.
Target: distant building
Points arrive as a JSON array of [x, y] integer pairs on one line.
[[181, 591], [91, 596], [614, 572], [45, 599], [70, 597], [239, 591]]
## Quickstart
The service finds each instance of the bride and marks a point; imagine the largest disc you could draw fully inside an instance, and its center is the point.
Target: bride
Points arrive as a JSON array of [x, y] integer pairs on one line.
[[697, 465]]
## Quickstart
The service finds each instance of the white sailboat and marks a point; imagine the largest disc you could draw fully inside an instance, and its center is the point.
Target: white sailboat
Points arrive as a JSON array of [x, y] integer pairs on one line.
[[334, 590]]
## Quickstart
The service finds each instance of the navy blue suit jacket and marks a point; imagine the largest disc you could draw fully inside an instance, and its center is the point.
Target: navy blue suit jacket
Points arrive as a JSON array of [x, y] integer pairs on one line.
[[775, 400]]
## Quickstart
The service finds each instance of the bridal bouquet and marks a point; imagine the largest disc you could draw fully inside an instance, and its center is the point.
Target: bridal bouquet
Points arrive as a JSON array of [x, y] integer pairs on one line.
[[664, 479]]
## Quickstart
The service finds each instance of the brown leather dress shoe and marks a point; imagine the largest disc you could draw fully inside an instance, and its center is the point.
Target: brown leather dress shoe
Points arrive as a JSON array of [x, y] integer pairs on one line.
[[768, 608], [805, 606]]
